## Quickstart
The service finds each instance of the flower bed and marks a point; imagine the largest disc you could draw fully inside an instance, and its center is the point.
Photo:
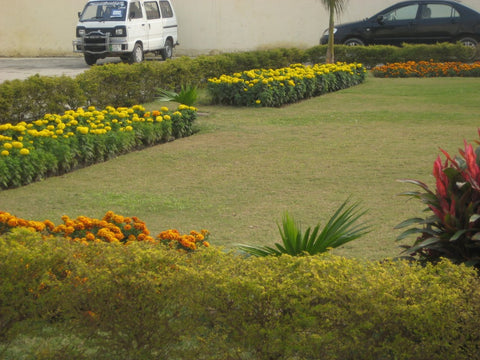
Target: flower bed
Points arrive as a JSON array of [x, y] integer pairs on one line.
[[112, 228], [427, 69], [276, 87], [59, 143]]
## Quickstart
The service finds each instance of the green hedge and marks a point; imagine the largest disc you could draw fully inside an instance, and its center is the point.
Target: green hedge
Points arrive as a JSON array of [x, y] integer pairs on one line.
[[143, 301], [126, 85]]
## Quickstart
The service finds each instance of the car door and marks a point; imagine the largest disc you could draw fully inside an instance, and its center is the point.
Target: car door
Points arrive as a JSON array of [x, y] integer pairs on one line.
[[396, 26], [154, 25], [137, 27], [437, 23]]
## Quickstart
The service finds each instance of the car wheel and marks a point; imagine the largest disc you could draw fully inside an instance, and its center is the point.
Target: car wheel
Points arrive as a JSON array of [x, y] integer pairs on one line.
[[137, 54], [468, 41], [90, 59], [353, 42], [167, 51]]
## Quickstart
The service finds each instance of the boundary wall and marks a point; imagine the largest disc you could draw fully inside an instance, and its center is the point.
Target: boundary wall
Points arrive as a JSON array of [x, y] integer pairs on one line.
[[47, 27]]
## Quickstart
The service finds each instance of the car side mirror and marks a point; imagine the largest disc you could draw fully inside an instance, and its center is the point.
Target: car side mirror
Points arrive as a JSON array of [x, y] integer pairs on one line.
[[79, 14], [380, 19]]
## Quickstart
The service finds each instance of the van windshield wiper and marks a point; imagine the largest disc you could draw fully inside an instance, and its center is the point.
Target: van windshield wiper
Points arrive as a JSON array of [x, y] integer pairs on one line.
[[94, 18]]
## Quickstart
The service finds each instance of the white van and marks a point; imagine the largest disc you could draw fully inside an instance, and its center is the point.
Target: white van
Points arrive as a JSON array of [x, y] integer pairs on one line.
[[126, 28]]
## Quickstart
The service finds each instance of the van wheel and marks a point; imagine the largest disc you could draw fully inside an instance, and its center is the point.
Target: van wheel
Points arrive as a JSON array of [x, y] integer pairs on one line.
[[137, 54], [90, 59], [167, 51]]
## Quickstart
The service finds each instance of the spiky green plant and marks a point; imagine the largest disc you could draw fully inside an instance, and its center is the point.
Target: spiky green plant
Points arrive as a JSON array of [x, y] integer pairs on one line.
[[187, 95], [339, 230]]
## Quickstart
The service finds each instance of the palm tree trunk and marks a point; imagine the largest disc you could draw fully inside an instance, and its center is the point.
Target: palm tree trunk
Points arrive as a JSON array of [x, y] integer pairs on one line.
[[330, 49]]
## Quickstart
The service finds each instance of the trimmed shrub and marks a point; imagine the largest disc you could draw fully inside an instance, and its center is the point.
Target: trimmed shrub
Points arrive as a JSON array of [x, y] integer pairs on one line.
[[38, 95], [143, 301], [126, 85]]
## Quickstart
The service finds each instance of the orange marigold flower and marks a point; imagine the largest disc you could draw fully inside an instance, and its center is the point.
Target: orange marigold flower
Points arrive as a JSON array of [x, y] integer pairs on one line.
[[50, 225], [118, 219]]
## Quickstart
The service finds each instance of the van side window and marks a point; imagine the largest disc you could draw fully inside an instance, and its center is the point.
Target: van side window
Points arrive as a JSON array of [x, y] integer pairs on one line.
[[152, 10], [135, 10], [167, 11]]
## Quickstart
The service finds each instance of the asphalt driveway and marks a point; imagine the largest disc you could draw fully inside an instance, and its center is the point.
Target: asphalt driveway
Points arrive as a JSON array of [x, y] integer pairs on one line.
[[21, 68]]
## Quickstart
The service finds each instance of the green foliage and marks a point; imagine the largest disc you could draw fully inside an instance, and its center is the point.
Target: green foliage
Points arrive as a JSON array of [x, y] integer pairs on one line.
[[371, 56], [129, 84], [143, 301], [187, 95], [340, 229], [277, 87], [57, 143], [452, 228], [38, 95]]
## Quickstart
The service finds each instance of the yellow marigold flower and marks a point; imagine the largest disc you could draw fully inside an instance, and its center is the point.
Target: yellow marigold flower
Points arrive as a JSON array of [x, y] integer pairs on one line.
[[17, 144], [128, 128], [5, 153], [7, 146], [83, 130], [164, 109], [258, 101], [24, 151], [167, 117], [159, 118]]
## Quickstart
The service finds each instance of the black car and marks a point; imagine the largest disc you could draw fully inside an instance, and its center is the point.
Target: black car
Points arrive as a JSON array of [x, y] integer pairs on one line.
[[425, 22]]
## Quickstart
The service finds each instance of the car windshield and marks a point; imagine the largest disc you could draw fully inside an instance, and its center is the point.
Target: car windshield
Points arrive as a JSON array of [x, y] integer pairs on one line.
[[104, 11]]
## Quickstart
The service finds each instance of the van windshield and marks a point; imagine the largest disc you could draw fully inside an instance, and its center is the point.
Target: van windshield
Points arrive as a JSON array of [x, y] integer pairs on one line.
[[104, 11]]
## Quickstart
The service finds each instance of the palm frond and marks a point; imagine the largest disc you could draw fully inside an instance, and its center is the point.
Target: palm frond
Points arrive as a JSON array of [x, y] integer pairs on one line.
[[341, 228]]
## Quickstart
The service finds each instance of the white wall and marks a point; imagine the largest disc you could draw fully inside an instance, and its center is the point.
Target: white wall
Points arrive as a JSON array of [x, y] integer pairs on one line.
[[47, 27]]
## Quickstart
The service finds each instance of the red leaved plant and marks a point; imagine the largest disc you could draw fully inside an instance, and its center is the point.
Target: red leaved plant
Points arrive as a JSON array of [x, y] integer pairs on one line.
[[452, 228]]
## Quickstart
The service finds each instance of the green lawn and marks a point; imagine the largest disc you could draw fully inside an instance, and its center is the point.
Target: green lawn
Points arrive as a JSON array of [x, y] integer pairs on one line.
[[247, 166]]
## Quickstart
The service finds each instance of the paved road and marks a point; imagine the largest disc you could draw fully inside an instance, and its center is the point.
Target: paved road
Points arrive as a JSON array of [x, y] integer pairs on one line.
[[21, 68]]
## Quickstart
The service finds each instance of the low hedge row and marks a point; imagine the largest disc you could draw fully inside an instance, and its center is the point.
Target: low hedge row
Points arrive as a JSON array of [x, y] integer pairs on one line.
[[144, 301], [126, 85]]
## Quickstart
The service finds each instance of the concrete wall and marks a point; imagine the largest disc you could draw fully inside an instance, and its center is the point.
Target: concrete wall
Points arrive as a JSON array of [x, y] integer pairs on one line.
[[47, 27]]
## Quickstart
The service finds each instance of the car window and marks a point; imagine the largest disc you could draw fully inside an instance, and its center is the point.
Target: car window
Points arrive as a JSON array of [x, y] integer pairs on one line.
[[408, 12], [135, 10], [439, 11], [166, 9], [152, 10]]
